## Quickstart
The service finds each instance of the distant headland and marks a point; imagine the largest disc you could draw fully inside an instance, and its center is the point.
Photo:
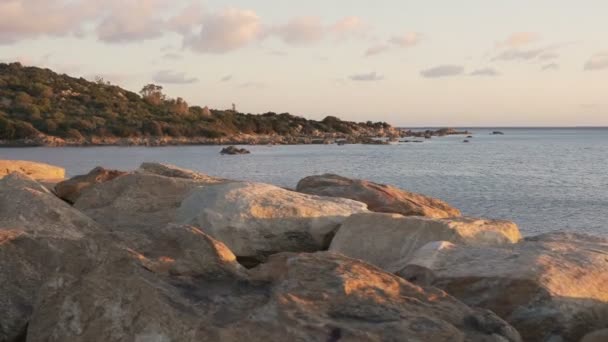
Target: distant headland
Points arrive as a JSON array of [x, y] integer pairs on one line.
[[39, 107]]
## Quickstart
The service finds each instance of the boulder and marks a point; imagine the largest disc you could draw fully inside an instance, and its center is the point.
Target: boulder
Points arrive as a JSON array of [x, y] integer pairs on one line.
[[307, 297], [550, 287], [71, 189], [38, 171], [234, 150], [135, 201], [389, 240], [255, 220], [40, 235], [596, 336], [378, 197], [169, 170]]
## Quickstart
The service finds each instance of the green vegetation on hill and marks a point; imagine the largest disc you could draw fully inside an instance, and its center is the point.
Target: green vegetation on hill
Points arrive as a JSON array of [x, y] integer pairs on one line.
[[35, 100]]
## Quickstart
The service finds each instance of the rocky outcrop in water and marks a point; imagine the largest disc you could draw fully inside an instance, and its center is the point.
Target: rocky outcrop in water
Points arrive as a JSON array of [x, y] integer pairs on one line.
[[232, 150], [378, 197]]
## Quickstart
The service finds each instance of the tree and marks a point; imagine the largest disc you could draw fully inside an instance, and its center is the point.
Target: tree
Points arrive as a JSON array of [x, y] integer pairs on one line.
[[153, 94]]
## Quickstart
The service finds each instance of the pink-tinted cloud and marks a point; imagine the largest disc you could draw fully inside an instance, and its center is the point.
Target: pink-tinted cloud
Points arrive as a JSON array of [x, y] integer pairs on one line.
[[132, 20], [225, 31], [519, 39], [301, 30], [598, 61], [406, 40], [377, 49]]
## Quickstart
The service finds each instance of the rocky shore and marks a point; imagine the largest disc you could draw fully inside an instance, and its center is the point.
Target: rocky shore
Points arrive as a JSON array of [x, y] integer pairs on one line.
[[369, 136], [168, 254]]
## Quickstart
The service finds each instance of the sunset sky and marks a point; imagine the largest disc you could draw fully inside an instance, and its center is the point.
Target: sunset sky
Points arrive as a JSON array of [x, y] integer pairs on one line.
[[411, 63]]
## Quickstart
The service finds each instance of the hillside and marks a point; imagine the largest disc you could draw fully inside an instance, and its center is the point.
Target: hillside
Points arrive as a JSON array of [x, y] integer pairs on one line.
[[40, 106]]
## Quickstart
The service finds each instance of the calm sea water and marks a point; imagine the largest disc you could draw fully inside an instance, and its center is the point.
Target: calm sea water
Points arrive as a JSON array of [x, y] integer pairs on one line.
[[543, 179]]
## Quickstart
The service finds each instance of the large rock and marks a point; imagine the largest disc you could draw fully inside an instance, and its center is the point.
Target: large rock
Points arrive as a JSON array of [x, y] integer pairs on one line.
[[548, 287], [388, 240], [256, 219], [378, 197], [40, 235], [38, 171], [71, 189], [597, 336], [137, 201], [317, 297], [169, 170]]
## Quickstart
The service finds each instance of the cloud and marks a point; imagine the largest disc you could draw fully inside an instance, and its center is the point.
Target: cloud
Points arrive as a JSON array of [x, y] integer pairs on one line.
[[23, 19], [172, 77], [550, 67], [407, 40], [367, 77], [184, 22], [547, 56], [131, 20], [225, 31], [172, 56], [443, 71], [301, 30], [377, 49], [519, 39], [490, 72], [349, 27], [226, 78], [516, 54], [598, 61]]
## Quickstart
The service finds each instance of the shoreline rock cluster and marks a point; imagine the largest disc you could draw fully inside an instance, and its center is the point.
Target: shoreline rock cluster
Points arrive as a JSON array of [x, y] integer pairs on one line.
[[168, 254], [375, 137]]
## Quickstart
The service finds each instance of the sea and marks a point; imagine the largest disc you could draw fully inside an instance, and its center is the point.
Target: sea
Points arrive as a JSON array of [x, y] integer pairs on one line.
[[544, 179]]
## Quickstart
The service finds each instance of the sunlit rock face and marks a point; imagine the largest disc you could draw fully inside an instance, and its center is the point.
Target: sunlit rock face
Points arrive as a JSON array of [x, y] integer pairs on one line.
[[389, 240], [378, 197], [38, 171], [548, 286], [40, 235], [256, 220]]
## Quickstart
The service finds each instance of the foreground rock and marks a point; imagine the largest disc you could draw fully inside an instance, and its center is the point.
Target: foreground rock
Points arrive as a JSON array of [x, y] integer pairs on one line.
[[596, 336], [255, 220], [234, 150], [308, 297], [173, 171], [389, 240], [71, 189], [38, 171], [40, 235], [378, 197], [136, 202], [550, 287]]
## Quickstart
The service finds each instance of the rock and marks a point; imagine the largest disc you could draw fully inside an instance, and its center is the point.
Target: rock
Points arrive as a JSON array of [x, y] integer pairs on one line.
[[548, 287], [169, 170], [136, 201], [306, 297], [389, 240], [497, 133], [38, 171], [255, 220], [465, 141], [234, 150], [71, 189], [378, 197], [596, 336], [39, 234]]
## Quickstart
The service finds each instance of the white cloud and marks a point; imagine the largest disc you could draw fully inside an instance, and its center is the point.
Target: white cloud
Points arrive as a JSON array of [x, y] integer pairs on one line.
[[131, 20], [597, 62], [172, 77], [443, 71], [377, 49], [301, 30], [489, 72], [406, 40], [367, 77], [519, 39], [225, 31], [550, 67]]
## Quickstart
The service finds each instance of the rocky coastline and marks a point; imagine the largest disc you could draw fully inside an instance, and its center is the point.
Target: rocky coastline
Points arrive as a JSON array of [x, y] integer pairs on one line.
[[370, 136], [163, 253]]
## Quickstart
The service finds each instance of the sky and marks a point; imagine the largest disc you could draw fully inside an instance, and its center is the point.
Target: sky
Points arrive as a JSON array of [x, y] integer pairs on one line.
[[408, 62]]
